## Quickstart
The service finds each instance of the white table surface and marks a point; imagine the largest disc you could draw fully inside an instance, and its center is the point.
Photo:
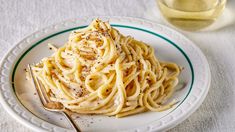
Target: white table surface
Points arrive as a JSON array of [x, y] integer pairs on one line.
[[19, 18]]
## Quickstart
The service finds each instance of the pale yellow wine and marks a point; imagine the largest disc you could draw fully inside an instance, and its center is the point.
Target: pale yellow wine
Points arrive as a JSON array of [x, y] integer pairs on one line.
[[191, 14]]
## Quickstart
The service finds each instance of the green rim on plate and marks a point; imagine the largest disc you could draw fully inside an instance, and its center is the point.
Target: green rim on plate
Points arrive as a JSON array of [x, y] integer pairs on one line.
[[114, 25]]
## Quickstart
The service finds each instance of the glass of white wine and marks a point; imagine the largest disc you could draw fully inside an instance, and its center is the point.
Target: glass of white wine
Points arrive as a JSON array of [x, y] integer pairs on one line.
[[191, 14]]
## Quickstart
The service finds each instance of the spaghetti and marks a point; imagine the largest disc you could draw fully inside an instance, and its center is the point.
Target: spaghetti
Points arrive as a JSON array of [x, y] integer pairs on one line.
[[100, 71]]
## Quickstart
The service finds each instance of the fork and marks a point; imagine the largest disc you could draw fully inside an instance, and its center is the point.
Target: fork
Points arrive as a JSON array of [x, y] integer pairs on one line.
[[49, 104]]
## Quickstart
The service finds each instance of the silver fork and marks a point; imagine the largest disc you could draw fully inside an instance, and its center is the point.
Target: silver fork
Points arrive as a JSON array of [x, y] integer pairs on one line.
[[49, 104]]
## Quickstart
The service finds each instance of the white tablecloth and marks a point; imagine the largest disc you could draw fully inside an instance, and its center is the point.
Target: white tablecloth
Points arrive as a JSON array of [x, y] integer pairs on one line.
[[19, 18]]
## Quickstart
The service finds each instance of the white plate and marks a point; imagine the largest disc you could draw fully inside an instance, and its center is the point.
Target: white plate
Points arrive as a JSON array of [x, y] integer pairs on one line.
[[17, 94]]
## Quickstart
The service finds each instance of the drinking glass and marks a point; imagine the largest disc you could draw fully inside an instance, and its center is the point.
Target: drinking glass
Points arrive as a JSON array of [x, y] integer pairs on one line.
[[191, 14]]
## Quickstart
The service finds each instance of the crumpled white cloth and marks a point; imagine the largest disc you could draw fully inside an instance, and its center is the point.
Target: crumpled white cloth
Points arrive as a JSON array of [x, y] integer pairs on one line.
[[217, 113]]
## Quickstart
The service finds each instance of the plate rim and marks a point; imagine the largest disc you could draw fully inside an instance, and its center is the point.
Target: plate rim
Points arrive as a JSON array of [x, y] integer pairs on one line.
[[18, 60], [22, 120]]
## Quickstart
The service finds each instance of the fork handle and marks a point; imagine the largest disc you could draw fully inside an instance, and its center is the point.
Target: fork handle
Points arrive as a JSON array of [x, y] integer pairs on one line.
[[72, 122]]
